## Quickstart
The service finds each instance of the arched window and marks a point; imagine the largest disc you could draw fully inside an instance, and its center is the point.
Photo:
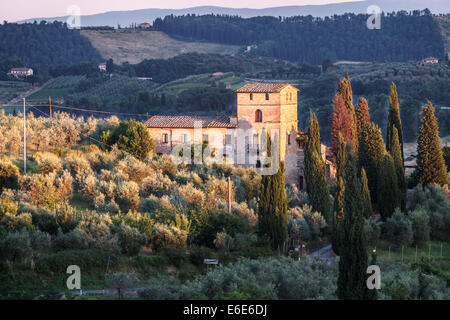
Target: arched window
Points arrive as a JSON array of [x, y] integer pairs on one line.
[[267, 96], [251, 96], [258, 116]]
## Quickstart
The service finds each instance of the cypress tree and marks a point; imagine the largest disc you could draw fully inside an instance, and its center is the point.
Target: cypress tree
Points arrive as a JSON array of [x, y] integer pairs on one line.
[[338, 215], [388, 191], [272, 206], [430, 160], [340, 123], [366, 194], [315, 171], [362, 114], [353, 253], [345, 89], [394, 120], [338, 206], [399, 168], [371, 151]]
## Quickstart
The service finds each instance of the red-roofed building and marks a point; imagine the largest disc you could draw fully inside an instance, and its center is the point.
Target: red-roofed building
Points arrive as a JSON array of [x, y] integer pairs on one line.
[[262, 107], [20, 72]]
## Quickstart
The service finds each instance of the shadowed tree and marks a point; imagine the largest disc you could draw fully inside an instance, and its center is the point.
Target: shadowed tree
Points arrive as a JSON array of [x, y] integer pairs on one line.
[[394, 120], [315, 171], [353, 254], [388, 191], [430, 160], [341, 123], [366, 194], [399, 168], [371, 151], [362, 114], [345, 89]]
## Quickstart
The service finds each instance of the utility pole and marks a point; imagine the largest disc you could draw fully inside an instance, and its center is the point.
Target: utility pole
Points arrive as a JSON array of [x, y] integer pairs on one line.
[[24, 137], [50, 104]]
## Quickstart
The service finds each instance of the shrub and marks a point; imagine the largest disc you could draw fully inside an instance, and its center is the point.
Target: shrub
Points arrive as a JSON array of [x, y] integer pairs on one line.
[[224, 242], [48, 162], [72, 240], [121, 281], [45, 221], [298, 229], [157, 184], [198, 254], [134, 169], [161, 289], [217, 222], [16, 246], [398, 229], [65, 217], [130, 240], [165, 164], [266, 279], [85, 259], [19, 222], [175, 255], [153, 203], [9, 175], [41, 240], [371, 231], [420, 226], [7, 207], [434, 201], [163, 236], [127, 195], [132, 137]]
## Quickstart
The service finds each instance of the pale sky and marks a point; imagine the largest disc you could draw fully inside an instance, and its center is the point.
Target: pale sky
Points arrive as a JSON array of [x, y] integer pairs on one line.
[[24, 9]]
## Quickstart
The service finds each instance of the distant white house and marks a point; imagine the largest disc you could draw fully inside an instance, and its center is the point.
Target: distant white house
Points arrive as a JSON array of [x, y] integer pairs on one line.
[[144, 25], [430, 60], [102, 67], [20, 72]]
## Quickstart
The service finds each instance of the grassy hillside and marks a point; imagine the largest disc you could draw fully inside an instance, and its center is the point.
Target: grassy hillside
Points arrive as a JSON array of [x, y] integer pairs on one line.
[[136, 45]]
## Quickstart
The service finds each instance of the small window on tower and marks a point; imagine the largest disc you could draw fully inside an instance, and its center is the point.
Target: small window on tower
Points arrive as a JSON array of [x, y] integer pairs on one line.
[[258, 116], [267, 96], [251, 96], [165, 138]]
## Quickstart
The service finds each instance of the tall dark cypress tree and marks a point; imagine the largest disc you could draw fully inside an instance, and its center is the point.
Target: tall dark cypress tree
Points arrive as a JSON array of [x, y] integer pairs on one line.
[[399, 168], [345, 89], [394, 120], [353, 253], [430, 160], [366, 194], [315, 172], [338, 206], [272, 206], [371, 151], [362, 114], [388, 191]]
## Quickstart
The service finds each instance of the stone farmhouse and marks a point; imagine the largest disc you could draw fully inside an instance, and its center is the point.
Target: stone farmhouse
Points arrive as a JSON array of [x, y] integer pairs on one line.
[[261, 107]]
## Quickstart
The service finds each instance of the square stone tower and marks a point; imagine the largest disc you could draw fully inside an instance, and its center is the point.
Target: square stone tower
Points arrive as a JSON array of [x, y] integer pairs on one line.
[[272, 107]]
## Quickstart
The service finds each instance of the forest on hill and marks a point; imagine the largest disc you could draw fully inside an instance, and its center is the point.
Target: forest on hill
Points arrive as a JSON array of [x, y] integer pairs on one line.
[[45, 44], [402, 36]]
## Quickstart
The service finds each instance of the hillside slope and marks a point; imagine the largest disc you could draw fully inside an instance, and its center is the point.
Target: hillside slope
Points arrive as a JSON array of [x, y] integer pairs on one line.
[[136, 45]]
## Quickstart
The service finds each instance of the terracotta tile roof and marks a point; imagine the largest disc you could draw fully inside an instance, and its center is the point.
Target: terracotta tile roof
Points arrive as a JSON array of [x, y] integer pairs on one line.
[[219, 121], [262, 87]]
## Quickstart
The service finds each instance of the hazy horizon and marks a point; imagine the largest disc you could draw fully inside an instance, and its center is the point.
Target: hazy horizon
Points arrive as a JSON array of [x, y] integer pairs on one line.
[[24, 9]]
